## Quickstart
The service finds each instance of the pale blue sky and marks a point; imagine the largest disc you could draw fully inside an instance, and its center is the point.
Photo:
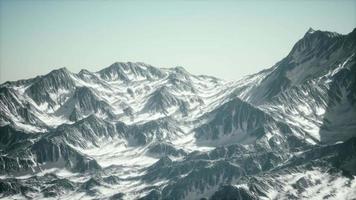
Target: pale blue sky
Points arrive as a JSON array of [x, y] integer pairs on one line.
[[227, 39]]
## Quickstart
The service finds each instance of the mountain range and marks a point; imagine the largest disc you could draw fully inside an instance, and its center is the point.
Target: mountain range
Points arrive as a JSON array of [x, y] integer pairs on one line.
[[135, 131]]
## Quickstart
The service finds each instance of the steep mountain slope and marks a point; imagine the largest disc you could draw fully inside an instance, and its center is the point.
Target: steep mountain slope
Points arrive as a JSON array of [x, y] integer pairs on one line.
[[311, 87], [134, 131], [314, 56]]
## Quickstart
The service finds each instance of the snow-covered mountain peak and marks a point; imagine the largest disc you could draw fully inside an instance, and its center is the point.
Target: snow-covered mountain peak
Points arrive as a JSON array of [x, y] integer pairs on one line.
[[314, 42], [311, 58], [134, 131], [62, 72], [310, 31], [129, 71], [84, 72], [181, 70], [313, 32]]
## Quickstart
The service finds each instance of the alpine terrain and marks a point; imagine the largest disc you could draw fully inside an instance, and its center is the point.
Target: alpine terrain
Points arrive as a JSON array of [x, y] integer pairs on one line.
[[135, 131]]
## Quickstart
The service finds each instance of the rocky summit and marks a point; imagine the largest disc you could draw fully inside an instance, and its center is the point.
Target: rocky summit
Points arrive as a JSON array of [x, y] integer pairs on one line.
[[135, 131]]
